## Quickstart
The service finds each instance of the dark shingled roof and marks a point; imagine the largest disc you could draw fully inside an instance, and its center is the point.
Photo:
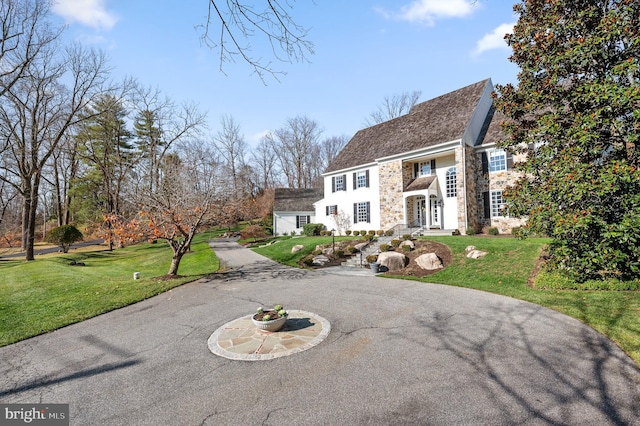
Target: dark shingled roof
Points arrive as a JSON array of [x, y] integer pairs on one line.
[[296, 200], [429, 123], [417, 184], [494, 132]]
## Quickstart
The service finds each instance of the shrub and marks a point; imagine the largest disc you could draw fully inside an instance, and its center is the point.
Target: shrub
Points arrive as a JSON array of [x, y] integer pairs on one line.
[[311, 229], [395, 243], [517, 232], [406, 237], [388, 232], [371, 232], [355, 233], [372, 258], [384, 247], [379, 232], [308, 260], [64, 236], [470, 231], [351, 249], [406, 247], [347, 232], [368, 237], [493, 231], [338, 253], [253, 231], [317, 252]]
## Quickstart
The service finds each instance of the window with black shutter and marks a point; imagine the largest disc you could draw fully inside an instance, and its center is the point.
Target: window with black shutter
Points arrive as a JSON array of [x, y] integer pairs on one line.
[[487, 204], [485, 163]]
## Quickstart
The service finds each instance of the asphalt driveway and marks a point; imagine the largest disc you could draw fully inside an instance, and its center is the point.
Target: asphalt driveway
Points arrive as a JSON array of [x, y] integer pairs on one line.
[[399, 352]]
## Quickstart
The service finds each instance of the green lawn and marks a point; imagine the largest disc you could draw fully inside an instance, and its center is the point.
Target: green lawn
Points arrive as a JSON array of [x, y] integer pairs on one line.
[[48, 293], [505, 270]]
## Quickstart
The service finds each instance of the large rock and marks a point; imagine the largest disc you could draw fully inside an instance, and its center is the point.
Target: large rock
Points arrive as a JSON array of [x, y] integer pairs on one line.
[[320, 260], [408, 243], [392, 260], [473, 253], [429, 261], [360, 246], [297, 248]]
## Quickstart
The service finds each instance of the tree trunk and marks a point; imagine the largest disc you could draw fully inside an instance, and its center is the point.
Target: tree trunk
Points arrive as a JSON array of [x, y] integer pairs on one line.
[[175, 262]]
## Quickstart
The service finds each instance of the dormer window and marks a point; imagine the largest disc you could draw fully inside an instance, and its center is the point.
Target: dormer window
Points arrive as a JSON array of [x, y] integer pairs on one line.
[[424, 168]]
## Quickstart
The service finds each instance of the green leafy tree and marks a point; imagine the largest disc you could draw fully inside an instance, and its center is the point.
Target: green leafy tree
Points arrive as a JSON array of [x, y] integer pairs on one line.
[[575, 114], [64, 236]]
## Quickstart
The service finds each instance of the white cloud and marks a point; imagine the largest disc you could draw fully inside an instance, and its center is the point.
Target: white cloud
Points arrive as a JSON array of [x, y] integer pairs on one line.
[[428, 11], [494, 39], [257, 137], [91, 13]]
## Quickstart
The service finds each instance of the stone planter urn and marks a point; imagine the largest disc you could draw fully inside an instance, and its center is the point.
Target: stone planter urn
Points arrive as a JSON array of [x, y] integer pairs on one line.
[[270, 319]]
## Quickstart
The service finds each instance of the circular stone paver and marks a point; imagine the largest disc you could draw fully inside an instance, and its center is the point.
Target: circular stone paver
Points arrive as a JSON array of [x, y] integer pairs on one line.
[[241, 340]]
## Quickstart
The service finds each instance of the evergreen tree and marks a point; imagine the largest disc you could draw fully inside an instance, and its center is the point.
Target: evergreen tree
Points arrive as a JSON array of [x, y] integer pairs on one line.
[[575, 114]]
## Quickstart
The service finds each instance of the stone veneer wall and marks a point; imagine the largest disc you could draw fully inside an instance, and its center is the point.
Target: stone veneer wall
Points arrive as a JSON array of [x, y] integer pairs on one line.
[[488, 182], [471, 208], [391, 185]]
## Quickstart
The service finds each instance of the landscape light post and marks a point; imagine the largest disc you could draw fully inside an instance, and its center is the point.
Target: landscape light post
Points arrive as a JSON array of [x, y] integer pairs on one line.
[[333, 242]]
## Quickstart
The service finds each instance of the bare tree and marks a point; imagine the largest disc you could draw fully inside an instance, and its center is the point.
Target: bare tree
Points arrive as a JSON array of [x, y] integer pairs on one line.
[[232, 148], [25, 32], [159, 124], [298, 152], [393, 106], [231, 22], [183, 203], [263, 161], [38, 111], [331, 147]]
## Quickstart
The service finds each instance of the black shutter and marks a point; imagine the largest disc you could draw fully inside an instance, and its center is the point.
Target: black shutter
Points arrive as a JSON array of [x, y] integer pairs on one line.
[[368, 212], [433, 167], [367, 174], [333, 184], [355, 184], [355, 213], [327, 210], [487, 205], [297, 222], [415, 170], [308, 219], [344, 182], [509, 160], [485, 163]]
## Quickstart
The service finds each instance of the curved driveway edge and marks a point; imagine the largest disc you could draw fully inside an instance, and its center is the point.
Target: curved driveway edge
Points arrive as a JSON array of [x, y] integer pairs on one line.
[[399, 352]]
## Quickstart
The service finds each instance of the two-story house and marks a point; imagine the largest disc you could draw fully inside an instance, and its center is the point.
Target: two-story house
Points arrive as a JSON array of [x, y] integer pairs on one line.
[[436, 167]]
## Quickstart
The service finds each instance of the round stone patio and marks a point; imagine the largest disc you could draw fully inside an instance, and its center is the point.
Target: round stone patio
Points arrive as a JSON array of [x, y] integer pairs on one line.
[[241, 340]]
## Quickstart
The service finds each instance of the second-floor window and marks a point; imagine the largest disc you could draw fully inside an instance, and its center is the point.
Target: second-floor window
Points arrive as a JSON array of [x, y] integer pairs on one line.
[[497, 160], [338, 183], [361, 179], [331, 210], [425, 168]]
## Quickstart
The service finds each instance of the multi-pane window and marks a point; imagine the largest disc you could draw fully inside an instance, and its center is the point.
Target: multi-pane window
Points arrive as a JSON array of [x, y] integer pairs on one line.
[[361, 179], [332, 210], [497, 204], [302, 220], [339, 183], [361, 212], [451, 183], [497, 160], [425, 168]]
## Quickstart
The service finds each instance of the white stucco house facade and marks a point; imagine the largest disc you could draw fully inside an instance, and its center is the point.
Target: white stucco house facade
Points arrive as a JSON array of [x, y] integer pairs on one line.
[[435, 168]]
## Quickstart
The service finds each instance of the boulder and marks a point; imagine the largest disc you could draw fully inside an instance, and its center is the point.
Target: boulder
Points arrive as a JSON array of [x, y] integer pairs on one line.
[[296, 248], [320, 260], [469, 249], [429, 261], [392, 260], [476, 254], [408, 243], [360, 246]]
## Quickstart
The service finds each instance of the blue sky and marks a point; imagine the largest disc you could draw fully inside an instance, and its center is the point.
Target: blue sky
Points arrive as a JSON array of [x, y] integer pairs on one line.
[[364, 50]]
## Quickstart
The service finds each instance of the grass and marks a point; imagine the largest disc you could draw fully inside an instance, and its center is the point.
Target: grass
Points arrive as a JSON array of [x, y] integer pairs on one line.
[[506, 270], [46, 294], [281, 251]]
